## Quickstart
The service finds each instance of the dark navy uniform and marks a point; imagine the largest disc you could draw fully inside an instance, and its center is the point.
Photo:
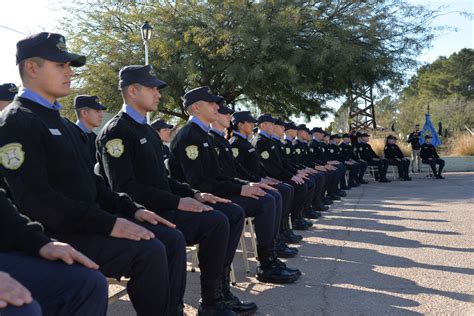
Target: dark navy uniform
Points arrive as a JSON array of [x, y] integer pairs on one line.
[[47, 164], [365, 153], [56, 288], [348, 153], [395, 157], [430, 157]]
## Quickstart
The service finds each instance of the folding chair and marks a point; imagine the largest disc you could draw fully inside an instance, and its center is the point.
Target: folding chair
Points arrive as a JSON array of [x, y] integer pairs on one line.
[[122, 282]]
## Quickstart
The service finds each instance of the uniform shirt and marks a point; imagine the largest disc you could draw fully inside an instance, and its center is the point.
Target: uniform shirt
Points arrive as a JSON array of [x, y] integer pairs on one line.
[[47, 165], [334, 152], [347, 152], [392, 151], [414, 140], [428, 151], [269, 157], [319, 153], [18, 232], [292, 153], [91, 138], [280, 146], [303, 153], [228, 164], [365, 152], [166, 151], [246, 155], [131, 156], [194, 160]]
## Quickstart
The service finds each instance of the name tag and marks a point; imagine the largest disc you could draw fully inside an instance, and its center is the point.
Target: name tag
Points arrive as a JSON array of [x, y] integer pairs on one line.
[[143, 141], [55, 131], [206, 145], [251, 150]]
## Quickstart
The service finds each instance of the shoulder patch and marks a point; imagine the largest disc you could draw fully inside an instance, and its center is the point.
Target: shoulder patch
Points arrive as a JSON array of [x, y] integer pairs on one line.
[[12, 156], [115, 147], [265, 155], [235, 152], [192, 151], [298, 151]]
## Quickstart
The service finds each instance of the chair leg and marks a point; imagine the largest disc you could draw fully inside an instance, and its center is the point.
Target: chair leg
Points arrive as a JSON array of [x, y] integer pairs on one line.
[[194, 260], [232, 275], [244, 252], [253, 237]]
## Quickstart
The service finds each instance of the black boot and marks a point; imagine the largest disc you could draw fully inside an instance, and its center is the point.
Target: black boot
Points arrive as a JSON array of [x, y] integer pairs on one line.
[[268, 270], [321, 208], [327, 201], [287, 235], [312, 214], [283, 251], [233, 302], [282, 265], [212, 303]]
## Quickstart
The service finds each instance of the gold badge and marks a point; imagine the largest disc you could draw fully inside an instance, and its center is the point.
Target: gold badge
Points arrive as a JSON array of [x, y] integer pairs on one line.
[[288, 150], [265, 155], [115, 147], [192, 152], [298, 151], [12, 155], [235, 152]]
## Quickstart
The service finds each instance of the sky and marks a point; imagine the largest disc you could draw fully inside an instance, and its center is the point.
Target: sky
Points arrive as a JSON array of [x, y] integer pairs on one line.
[[43, 15]]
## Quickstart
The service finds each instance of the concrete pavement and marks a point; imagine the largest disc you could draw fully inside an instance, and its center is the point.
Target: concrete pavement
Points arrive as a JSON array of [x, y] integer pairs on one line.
[[402, 248]]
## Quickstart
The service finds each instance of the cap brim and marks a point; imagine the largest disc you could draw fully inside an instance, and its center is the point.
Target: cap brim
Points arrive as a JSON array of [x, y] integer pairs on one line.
[[213, 98], [155, 82]]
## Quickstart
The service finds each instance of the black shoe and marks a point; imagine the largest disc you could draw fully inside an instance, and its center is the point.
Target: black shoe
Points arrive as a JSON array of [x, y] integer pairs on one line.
[[233, 302], [439, 177], [327, 201], [335, 197], [407, 178], [341, 193], [321, 208], [274, 274], [298, 225], [289, 237], [312, 214], [283, 251], [385, 180], [218, 308], [307, 223], [354, 184], [345, 187], [282, 265]]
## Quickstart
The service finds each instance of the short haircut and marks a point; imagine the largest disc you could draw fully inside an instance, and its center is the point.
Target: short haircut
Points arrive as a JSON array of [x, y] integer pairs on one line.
[[21, 66]]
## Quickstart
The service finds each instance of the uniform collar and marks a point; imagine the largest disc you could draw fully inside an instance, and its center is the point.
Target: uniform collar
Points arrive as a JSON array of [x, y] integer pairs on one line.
[[83, 127], [218, 132], [240, 134], [35, 97], [288, 138], [264, 134], [302, 141], [198, 122], [137, 117], [348, 143], [276, 138]]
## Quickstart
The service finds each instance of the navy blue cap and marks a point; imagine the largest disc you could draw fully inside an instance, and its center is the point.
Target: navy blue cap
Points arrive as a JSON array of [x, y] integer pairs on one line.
[[317, 130], [346, 135], [428, 136], [390, 137], [358, 134], [8, 91], [266, 118], [144, 75], [302, 127], [367, 135], [279, 122], [242, 116], [88, 101], [224, 110], [159, 124], [290, 125], [49, 46], [200, 94], [335, 136]]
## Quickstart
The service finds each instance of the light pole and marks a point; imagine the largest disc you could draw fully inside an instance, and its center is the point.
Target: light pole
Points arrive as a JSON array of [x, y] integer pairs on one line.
[[146, 36]]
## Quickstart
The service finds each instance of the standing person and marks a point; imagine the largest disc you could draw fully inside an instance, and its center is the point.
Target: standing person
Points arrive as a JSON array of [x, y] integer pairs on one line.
[[8, 92], [89, 112], [164, 131], [430, 157], [194, 160], [395, 157], [46, 162], [414, 140], [365, 153], [148, 184], [33, 281]]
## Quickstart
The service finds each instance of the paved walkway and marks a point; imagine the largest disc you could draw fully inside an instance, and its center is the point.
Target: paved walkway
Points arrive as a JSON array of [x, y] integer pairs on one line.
[[403, 248]]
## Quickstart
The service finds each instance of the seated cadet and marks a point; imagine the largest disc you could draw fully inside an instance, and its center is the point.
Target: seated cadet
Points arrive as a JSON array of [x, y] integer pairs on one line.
[[348, 154], [230, 167], [430, 157], [148, 184], [314, 181], [7, 94], [395, 157], [365, 153], [32, 281], [89, 114], [246, 156], [335, 153], [164, 131], [272, 163], [194, 160], [319, 153], [46, 162], [299, 156]]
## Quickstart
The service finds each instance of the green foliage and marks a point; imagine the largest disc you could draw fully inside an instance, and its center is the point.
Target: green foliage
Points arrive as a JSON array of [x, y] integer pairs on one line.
[[283, 57]]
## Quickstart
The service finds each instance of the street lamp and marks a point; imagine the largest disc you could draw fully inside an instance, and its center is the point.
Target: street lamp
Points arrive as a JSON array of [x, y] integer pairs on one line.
[[146, 36]]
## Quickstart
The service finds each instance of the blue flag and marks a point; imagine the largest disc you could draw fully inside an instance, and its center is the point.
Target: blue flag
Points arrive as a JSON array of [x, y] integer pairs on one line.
[[428, 129]]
